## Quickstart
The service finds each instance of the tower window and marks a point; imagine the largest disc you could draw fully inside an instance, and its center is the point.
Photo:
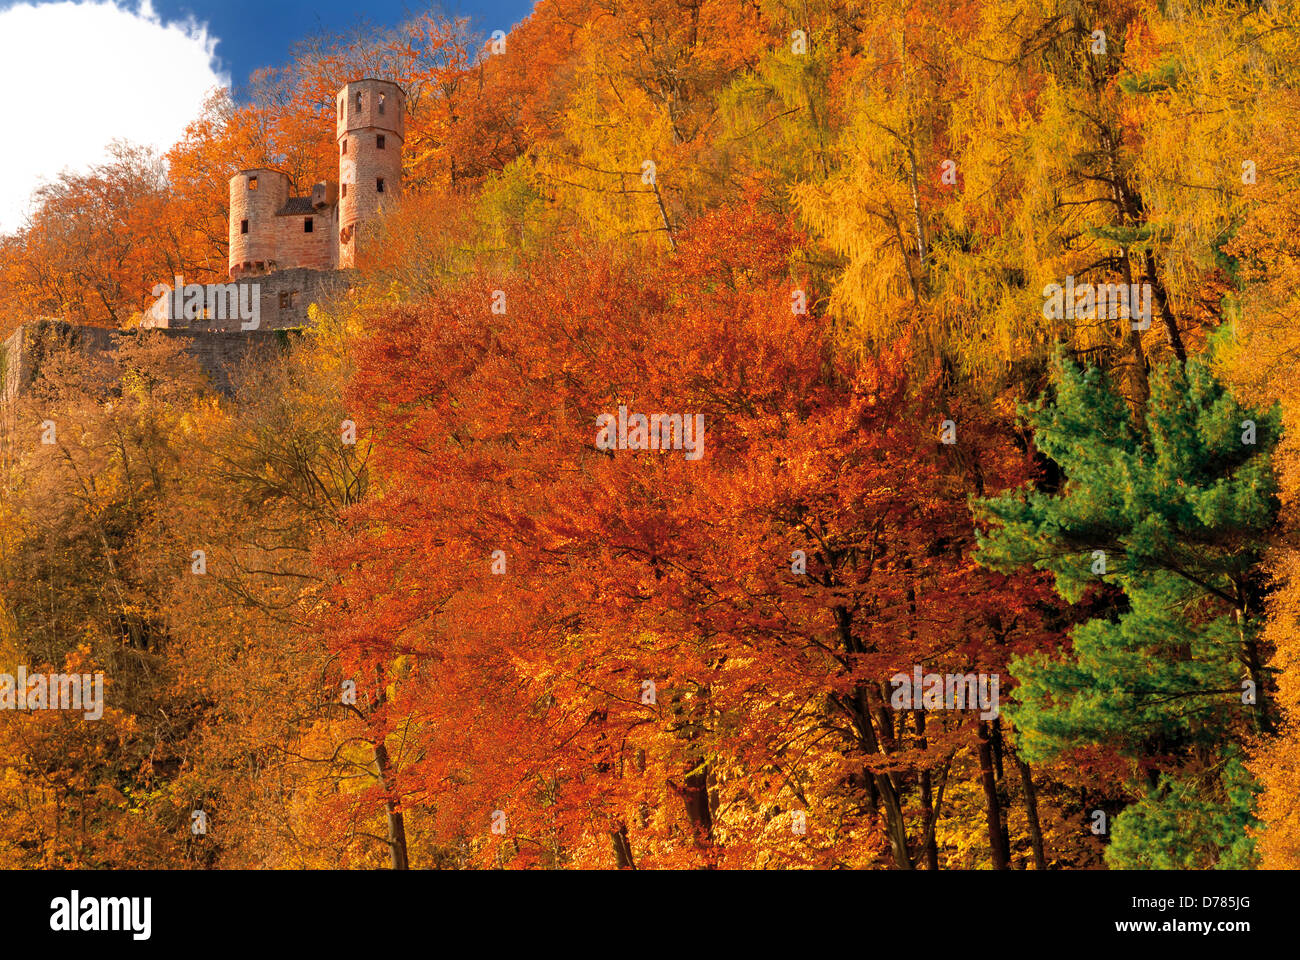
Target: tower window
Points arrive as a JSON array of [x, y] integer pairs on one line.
[[307, 225], [382, 98], [252, 183], [358, 103], [379, 185], [345, 147], [381, 142], [345, 189], [243, 226]]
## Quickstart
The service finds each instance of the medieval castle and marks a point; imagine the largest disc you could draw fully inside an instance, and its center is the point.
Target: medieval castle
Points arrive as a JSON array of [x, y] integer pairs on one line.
[[286, 252]]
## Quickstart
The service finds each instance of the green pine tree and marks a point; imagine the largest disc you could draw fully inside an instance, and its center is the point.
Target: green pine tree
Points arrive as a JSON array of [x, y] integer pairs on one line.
[[1169, 522]]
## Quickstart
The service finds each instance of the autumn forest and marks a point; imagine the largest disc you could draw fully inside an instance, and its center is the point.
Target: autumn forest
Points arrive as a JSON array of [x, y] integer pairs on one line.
[[767, 434]]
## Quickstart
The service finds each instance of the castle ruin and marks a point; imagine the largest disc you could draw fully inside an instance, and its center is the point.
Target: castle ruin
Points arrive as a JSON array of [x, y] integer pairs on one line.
[[285, 252]]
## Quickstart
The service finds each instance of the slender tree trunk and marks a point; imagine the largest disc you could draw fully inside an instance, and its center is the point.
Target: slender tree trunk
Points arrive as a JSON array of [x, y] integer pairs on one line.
[[663, 215], [895, 824], [1001, 860], [1253, 663], [929, 846], [694, 790], [878, 696], [622, 848], [1126, 214], [1000, 781], [1031, 812], [1140, 382], [396, 825], [860, 712], [1172, 336]]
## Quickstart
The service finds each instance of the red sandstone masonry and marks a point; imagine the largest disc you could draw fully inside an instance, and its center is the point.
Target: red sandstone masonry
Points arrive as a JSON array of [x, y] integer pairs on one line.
[[255, 198], [266, 221], [285, 298]]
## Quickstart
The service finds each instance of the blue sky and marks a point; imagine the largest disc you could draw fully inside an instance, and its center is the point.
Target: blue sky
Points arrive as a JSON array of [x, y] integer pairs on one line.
[[82, 73], [260, 33]]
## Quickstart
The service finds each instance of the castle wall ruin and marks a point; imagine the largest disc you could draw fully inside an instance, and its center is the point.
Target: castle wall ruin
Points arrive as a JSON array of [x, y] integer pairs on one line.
[[284, 297], [219, 354]]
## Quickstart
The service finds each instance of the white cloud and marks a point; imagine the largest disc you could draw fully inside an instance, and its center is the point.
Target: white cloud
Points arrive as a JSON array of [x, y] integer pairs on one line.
[[76, 75]]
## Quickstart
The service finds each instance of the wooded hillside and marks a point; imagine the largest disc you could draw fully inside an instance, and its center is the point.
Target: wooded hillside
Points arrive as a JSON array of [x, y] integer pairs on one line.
[[423, 594]]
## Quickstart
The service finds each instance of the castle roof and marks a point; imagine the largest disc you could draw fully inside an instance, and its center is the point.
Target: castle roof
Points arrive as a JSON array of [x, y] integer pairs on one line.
[[296, 207]]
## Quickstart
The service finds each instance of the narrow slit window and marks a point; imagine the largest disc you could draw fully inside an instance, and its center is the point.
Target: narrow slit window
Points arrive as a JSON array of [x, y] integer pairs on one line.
[[243, 226], [379, 185], [383, 97], [381, 142], [345, 189], [345, 148], [359, 102]]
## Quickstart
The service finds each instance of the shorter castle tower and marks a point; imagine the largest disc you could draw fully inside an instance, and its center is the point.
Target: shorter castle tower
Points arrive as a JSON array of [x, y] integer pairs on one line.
[[256, 197]]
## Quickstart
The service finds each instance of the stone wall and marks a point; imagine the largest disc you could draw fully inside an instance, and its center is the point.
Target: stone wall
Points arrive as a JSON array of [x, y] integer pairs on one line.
[[285, 297], [295, 247], [219, 354], [21, 354], [11, 360]]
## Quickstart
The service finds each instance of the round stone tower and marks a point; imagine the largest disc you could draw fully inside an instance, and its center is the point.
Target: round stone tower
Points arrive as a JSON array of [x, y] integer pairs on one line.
[[371, 131], [256, 196]]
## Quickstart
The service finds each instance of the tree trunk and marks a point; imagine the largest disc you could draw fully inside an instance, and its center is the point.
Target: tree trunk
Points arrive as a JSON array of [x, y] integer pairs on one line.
[[1001, 859], [895, 824], [929, 845], [622, 848], [1000, 781], [1031, 812], [860, 712], [1253, 663], [396, 825], [695, 798], [1161, 296]]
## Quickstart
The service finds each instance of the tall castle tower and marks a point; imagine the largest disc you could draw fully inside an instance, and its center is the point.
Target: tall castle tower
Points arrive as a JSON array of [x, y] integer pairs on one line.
[[371, 131]]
